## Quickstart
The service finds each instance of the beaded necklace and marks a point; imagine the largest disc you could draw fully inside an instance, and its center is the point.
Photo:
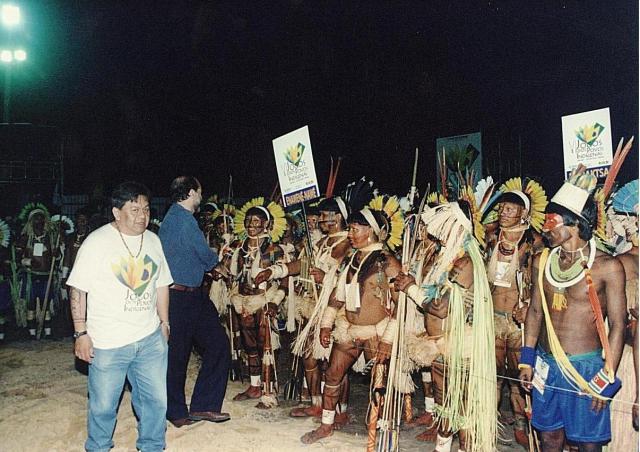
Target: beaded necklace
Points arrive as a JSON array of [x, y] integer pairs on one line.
[[561, 279]]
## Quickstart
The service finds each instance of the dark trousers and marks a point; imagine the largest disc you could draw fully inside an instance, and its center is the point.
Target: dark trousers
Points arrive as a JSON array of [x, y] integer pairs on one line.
[[194, 321]]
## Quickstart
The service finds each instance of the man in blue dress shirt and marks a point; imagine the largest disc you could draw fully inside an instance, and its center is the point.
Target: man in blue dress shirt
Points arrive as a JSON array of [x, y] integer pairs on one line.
[[193, 317]]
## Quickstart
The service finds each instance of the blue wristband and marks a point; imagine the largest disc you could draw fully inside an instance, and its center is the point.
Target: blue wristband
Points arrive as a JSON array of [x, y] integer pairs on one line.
[[600, 384], [527, 356]]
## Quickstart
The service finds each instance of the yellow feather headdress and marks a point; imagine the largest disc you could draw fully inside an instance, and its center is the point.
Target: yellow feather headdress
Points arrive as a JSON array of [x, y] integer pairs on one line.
[[277, 223], [389, 206], [537, 197], [228, 210], [435, 199]]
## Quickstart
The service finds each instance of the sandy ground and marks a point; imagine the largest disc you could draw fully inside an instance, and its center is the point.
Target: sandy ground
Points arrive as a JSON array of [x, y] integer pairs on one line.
[[43, 408]]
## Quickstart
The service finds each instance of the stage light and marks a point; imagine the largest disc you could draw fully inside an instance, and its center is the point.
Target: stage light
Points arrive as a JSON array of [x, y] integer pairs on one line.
[[6, 56], [10, 15], [20, 55]]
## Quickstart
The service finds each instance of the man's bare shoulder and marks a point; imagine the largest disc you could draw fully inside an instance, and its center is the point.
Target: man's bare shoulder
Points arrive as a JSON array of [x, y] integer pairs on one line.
[[628, 260], [606, 265], [341, 249]]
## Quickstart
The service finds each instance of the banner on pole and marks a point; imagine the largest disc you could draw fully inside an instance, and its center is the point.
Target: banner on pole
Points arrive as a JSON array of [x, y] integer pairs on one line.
[[586, 139], [462, 153], [296, 170]]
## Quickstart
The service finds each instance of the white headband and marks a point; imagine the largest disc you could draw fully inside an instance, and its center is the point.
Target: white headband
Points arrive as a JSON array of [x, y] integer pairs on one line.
[[366, 213], [266, 211], [525, 198], [35, 211]]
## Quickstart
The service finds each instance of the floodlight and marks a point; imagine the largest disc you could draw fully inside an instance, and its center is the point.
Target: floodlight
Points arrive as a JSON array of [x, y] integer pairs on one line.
[[20, 55], [6, 56], [10, 15]]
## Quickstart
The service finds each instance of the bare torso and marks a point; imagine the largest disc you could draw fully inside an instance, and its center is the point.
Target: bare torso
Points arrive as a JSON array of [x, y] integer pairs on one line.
[[575, 326], [375, 291], [505, 299]]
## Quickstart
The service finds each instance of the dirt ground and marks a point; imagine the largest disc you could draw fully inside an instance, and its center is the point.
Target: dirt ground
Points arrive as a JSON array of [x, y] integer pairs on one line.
[[43, 404]]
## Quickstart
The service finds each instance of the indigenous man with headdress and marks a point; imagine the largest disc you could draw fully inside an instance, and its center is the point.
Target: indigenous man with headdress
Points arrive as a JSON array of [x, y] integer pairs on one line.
[[328, 254], [220, 237], [622, 233], [37, 247], [259, 224], [455, 290], [520, 210], [425, 336], [313, 222], [5, 274], [363, 303], [573, 284]]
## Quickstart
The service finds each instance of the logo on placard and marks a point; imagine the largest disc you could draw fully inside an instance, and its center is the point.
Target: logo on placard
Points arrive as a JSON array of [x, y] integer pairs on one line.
[[294, 154], [589, 133]]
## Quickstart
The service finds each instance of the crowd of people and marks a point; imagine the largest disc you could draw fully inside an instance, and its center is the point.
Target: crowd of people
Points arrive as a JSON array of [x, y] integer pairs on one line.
[[463, 291]]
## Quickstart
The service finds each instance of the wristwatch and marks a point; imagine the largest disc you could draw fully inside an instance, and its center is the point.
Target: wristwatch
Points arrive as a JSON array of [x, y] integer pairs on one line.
[[77, 334]]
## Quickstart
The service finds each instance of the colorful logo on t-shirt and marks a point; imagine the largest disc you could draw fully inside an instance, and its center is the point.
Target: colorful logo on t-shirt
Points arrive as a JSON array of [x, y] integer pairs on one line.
[[136, 274]]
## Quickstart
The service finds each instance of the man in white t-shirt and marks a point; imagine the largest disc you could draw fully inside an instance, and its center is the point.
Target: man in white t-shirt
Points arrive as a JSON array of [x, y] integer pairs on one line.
[[120, 307]]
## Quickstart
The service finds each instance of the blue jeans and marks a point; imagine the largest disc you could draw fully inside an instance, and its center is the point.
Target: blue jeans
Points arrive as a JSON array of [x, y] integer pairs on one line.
[[144, 364]]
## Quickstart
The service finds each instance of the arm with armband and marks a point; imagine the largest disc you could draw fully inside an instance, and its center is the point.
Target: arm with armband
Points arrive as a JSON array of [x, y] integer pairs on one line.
[[605, 383], [527, 358]]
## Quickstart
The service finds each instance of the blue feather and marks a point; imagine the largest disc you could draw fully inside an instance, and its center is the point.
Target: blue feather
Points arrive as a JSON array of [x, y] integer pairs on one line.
[[626, 199]]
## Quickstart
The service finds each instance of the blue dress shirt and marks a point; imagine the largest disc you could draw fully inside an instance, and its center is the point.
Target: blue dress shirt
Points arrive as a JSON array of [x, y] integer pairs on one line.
[[185, 247]]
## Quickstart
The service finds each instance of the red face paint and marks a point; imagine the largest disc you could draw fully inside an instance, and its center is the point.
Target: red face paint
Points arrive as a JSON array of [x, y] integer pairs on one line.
[[552, 221]]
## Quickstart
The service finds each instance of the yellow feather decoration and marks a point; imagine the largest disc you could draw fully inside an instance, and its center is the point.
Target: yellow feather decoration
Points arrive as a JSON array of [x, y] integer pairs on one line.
[[536, 195], [601, 216], [389, 206]]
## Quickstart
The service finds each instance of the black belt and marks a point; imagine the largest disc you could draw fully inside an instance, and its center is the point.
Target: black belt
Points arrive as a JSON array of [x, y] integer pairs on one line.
[[181, 288]]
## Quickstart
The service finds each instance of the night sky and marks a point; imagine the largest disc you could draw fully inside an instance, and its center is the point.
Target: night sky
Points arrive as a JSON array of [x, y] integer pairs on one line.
[[149, 90]]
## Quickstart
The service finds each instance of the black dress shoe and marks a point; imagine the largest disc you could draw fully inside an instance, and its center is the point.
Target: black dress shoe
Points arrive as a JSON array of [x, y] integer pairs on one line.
[[210, 416], [177, 423]]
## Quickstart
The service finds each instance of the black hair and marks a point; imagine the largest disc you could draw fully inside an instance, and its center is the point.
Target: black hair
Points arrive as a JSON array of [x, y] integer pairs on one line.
[[357, 218], [512, 198], [128, 191], [311, 209], [209, 207], [585, 225], [256, 212], [181, 186], [331, 205]]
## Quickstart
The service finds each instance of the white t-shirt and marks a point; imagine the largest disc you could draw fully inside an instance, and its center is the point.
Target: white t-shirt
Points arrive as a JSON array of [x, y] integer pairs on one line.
[[121, 290]]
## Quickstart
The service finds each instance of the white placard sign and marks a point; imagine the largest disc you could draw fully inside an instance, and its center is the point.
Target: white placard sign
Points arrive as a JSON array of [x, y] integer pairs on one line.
[[586, 139], [296, 171]]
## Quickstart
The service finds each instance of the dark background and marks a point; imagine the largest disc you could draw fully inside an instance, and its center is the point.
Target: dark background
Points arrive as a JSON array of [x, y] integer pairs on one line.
[[152, 89]]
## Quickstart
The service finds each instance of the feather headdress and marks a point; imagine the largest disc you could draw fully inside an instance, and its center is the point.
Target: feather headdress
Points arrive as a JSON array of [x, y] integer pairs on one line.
[[5, 234], [358, 194], [277, 223], [573, 194], [389, 207], [435, 199], [31, 209], [532, 194], [625, 200], [64, 223]]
